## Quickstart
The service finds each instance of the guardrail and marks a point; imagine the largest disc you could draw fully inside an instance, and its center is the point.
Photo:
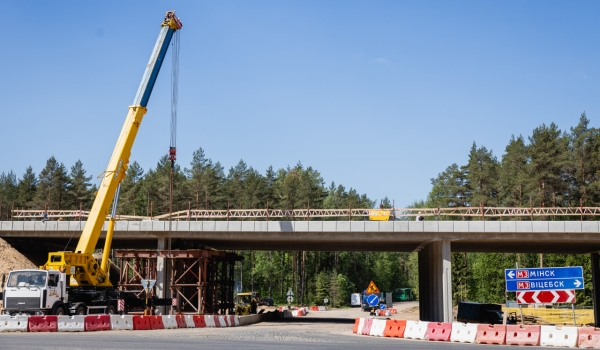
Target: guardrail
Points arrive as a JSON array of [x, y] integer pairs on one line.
[[395, 213]]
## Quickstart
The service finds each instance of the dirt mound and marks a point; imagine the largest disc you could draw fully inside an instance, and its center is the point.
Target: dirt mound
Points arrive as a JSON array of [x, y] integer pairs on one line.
[[11, 259]]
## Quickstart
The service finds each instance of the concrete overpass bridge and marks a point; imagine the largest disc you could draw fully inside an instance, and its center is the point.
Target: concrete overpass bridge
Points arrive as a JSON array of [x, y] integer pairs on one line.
[[433, 240]]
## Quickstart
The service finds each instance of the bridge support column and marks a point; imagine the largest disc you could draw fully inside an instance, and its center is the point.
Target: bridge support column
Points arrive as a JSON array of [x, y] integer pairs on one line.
[[161, 276], [596, 287], [435, 282]]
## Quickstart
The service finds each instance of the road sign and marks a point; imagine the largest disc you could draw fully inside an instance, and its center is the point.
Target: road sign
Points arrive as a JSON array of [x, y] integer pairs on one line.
[[546, 296], [290, 293], [148, 284], [382, 306], [548, 278], [290, 299], [373, 300], [325, 300], [372, 288]]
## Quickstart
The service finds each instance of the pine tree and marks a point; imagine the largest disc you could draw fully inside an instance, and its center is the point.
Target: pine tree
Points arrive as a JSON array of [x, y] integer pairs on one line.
[[53, 185], [79, 193], [26, 189], [482, 177], [513, 173]]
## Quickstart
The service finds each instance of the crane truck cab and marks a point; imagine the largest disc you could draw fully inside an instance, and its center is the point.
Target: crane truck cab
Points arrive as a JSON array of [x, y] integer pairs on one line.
[[35, 291]]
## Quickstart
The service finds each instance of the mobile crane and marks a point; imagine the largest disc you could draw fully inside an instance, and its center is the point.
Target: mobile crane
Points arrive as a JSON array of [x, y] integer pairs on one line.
[[74, 282]]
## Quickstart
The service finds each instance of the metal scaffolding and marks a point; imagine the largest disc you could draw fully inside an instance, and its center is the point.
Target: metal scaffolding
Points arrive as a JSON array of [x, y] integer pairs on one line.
[[200, 281]]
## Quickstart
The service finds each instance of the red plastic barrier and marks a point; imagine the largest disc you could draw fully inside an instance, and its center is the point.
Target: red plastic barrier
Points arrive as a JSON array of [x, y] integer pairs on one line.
[[156, 322], [97, 323], [589, 337], [439, 331], [231, 321], [366, 330], [199, 321], [356, 322], [394, 328], [522, 335], [42, 324], [491, 334], [141, 323], [314, 308], [180, 319], [217, 322], [226, 320], [393, 310]]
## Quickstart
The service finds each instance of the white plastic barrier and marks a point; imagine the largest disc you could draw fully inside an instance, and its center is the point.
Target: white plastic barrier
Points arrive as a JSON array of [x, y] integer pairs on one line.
[[377, 328], [121, 322], [416, 330], [223, 321], [322, 308], [361, 323], [463, 332], [189, 321], [294, 313], [169, 321], [210, 321], [558, 336], [16, 323], [71, 323]]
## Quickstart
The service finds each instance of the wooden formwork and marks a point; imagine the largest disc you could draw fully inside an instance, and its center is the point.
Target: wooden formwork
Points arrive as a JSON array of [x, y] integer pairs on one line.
[[200, 281]]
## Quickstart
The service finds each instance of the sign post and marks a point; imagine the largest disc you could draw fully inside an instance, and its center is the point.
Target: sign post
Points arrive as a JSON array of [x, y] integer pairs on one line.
[[147, 285], [545, 285], [290, 297]]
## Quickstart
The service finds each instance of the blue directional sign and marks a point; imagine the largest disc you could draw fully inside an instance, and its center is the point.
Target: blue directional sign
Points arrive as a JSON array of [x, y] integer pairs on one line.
[[373, 300], [547, 278], [382, 306]]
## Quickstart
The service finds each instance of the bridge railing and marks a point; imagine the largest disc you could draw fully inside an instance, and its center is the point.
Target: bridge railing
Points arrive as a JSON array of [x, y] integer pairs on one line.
[[267, 214]]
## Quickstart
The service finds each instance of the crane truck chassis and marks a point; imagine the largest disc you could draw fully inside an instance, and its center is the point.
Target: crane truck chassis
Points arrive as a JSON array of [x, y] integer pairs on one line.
[[76, 282]]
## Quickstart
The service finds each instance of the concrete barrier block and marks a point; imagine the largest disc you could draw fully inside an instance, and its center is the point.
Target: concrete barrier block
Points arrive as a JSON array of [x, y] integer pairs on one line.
[[17, 225], [315, 226], [573, 226], [589, 226], [445, 226], [221, 226], [523, 226], [431, 226], [491, 226], [415, 226], [357, 226], [401, 226], [6, 225], [234, 226], [248, 226], [539, 226], [508, 226], [301, 226], [261, 226], [476, 226], [122, 226], [50, 225], [556, 226], [461, 226], [343, 226], [62, 225], [384, 226], [39, 226], [146, 225], [76, 225]]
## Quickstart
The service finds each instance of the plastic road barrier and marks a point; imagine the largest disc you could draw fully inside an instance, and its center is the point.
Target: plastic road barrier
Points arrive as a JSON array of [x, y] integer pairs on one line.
[[200, 321], [322, 308], [394, 328], [209, 320], [180, 319], [393, 310], [156, 322], [491, 334], [97, 323], [439, 331], [215, 320], [71, 323], [141, 323], [589, 337], [377, 328], [169, 321], [357, 325], [121, 322], [416, 330], [463, 332], [522, 335], [189, 321], [314, 308], [295, 313], [224, 320], [16, 323], [558, 336], [42, 324], [367, 324], [234, 321]]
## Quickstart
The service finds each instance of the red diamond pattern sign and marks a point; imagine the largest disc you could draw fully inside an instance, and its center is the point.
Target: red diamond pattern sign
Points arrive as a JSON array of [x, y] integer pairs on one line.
[[546, 296]]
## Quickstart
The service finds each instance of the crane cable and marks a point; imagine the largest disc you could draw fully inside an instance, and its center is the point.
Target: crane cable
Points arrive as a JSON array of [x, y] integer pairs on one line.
[[173, 131]]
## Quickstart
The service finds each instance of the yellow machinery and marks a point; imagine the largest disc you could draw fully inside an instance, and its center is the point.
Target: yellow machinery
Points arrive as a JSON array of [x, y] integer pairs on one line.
[[81, 266]]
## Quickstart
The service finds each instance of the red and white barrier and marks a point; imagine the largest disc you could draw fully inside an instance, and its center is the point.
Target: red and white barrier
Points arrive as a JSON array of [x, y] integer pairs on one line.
[[588, 337], [377, 328], [522, 335]]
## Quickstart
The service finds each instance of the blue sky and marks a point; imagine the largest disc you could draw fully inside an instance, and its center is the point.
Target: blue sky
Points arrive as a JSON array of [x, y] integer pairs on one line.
[[380, 96]]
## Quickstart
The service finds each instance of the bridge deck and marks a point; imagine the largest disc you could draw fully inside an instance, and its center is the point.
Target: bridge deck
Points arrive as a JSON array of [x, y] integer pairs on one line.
[[466, 236]]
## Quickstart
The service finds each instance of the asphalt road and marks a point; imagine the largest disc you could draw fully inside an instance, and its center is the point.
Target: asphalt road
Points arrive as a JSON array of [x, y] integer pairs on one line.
[[325, 330]]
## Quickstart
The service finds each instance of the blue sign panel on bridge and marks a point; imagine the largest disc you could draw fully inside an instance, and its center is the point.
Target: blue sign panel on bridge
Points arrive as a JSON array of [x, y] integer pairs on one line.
[[546, 278]]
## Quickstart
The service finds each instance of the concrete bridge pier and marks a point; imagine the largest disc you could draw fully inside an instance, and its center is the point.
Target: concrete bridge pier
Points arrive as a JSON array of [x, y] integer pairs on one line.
[[435, 282], [161, 275]]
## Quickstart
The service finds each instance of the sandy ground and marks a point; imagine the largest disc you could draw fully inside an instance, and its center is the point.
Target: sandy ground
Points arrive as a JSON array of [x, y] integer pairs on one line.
[[11, 259]]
